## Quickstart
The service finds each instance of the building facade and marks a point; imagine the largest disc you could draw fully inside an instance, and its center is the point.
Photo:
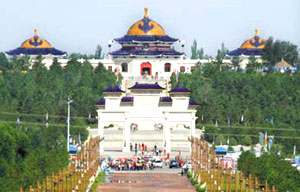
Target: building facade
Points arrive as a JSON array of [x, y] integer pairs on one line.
[[146, 107]]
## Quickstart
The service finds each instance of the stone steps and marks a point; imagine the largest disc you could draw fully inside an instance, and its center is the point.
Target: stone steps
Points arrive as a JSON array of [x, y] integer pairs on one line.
[[113, 141]]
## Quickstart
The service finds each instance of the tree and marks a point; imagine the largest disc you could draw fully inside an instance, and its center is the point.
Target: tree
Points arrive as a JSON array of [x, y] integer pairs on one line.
[[221, 54], [252, 65], [246, 140], [38, 62], [277, 50], [173, 80], [196, 53], [220, 140], [194, 50], [236, 62], [271, 168], [247, 163], [98, 52]]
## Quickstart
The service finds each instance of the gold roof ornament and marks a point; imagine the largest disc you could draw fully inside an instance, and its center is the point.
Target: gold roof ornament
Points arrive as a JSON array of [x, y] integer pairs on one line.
[[254, 43], [256, 32], [35, 42], [146, 26], [146, 12]]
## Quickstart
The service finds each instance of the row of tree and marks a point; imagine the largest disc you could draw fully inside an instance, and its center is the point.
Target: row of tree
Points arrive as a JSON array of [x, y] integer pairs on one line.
[[272, 168], [30, 150], [28, 154], [275, 51], [44, 91], [230, 103]]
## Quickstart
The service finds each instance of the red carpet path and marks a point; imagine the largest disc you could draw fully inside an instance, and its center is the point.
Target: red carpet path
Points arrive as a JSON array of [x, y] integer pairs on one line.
[[146, 182]]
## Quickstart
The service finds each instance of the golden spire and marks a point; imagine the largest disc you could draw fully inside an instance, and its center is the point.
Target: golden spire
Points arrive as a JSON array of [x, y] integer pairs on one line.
[[146, 13], [256, 32], [35, 32]]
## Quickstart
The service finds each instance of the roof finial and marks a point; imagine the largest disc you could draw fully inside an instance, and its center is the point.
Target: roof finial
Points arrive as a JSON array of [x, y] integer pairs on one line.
[[35, 32], [146, 13], [256, 32]]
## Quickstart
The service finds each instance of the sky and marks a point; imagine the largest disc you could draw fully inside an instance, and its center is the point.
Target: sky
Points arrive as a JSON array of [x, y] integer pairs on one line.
[[80, 25]]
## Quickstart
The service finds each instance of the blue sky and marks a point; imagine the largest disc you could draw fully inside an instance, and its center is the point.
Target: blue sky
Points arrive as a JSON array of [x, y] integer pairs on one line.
[[79, 25]]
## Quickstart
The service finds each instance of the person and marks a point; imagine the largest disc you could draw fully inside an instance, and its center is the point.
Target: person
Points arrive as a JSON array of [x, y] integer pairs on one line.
[[131, 146], [135, 149]]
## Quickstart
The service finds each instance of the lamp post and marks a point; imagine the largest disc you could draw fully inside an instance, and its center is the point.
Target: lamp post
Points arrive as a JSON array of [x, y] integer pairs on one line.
[[68, 122]]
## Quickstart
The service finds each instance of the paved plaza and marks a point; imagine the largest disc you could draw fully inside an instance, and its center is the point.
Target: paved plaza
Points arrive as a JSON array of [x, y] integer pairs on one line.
[[146, 182]]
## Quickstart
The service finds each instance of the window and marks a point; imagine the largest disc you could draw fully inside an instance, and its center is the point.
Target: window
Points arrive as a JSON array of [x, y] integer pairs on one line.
[[110, 68], [124, 67], [168, 67], [182, 69]]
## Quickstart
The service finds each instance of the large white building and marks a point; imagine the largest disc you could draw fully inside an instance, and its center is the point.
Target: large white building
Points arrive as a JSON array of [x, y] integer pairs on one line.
[[145, 102], [146, 48], [146, 107]]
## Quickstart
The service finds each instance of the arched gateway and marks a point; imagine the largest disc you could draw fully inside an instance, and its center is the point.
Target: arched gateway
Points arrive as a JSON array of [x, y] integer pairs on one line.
[[150, 107]]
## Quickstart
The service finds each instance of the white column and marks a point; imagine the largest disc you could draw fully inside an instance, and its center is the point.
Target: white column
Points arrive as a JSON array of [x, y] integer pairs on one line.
[[126, 135], [101, 132], [193, 127]]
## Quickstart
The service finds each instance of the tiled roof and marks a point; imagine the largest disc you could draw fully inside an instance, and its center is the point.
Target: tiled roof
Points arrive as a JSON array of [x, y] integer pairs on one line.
[[165, 99], [145, 38], [101, 102], [127, 99], [154, 86], [114, 89], [180, 90]]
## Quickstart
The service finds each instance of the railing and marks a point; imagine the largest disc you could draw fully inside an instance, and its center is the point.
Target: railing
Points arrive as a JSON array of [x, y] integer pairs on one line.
[[209, 171], [77, 176]]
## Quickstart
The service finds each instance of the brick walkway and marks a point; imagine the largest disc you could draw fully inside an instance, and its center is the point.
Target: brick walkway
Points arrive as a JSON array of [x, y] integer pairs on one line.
[[146, 182]]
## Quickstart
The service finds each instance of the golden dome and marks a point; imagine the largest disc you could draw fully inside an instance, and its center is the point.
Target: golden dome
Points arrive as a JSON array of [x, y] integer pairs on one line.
[[254, 43], [146, 26], [35, 42]]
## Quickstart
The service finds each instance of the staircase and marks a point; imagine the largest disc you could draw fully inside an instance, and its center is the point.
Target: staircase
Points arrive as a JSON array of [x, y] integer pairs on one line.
[[113, 141]]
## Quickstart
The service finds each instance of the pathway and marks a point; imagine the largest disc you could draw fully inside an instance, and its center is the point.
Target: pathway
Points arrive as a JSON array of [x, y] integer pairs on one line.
[[146, 182]]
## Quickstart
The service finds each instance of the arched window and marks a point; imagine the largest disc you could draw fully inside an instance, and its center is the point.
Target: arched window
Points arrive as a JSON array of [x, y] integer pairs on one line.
[[182, 69], [168, 67], [124, 67]]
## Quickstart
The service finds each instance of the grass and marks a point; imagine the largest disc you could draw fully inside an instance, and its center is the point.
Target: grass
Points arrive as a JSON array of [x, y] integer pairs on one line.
[[99, 179]]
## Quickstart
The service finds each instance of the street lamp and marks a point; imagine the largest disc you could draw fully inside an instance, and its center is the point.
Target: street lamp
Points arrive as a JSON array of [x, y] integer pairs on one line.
[[68, 122]]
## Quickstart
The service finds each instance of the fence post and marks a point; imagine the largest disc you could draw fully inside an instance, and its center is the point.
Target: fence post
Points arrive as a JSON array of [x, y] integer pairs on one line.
[[266, 186], [45, 184], [256, 187], [273, 188], [230, 180], [52, 182], [38, 186], [250, 183], [214, 171], [241, 181], [236, 181]]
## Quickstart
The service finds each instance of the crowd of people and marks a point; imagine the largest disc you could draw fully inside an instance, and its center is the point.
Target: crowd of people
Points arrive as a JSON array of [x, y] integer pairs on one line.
[[145, 150], [131, 164]]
